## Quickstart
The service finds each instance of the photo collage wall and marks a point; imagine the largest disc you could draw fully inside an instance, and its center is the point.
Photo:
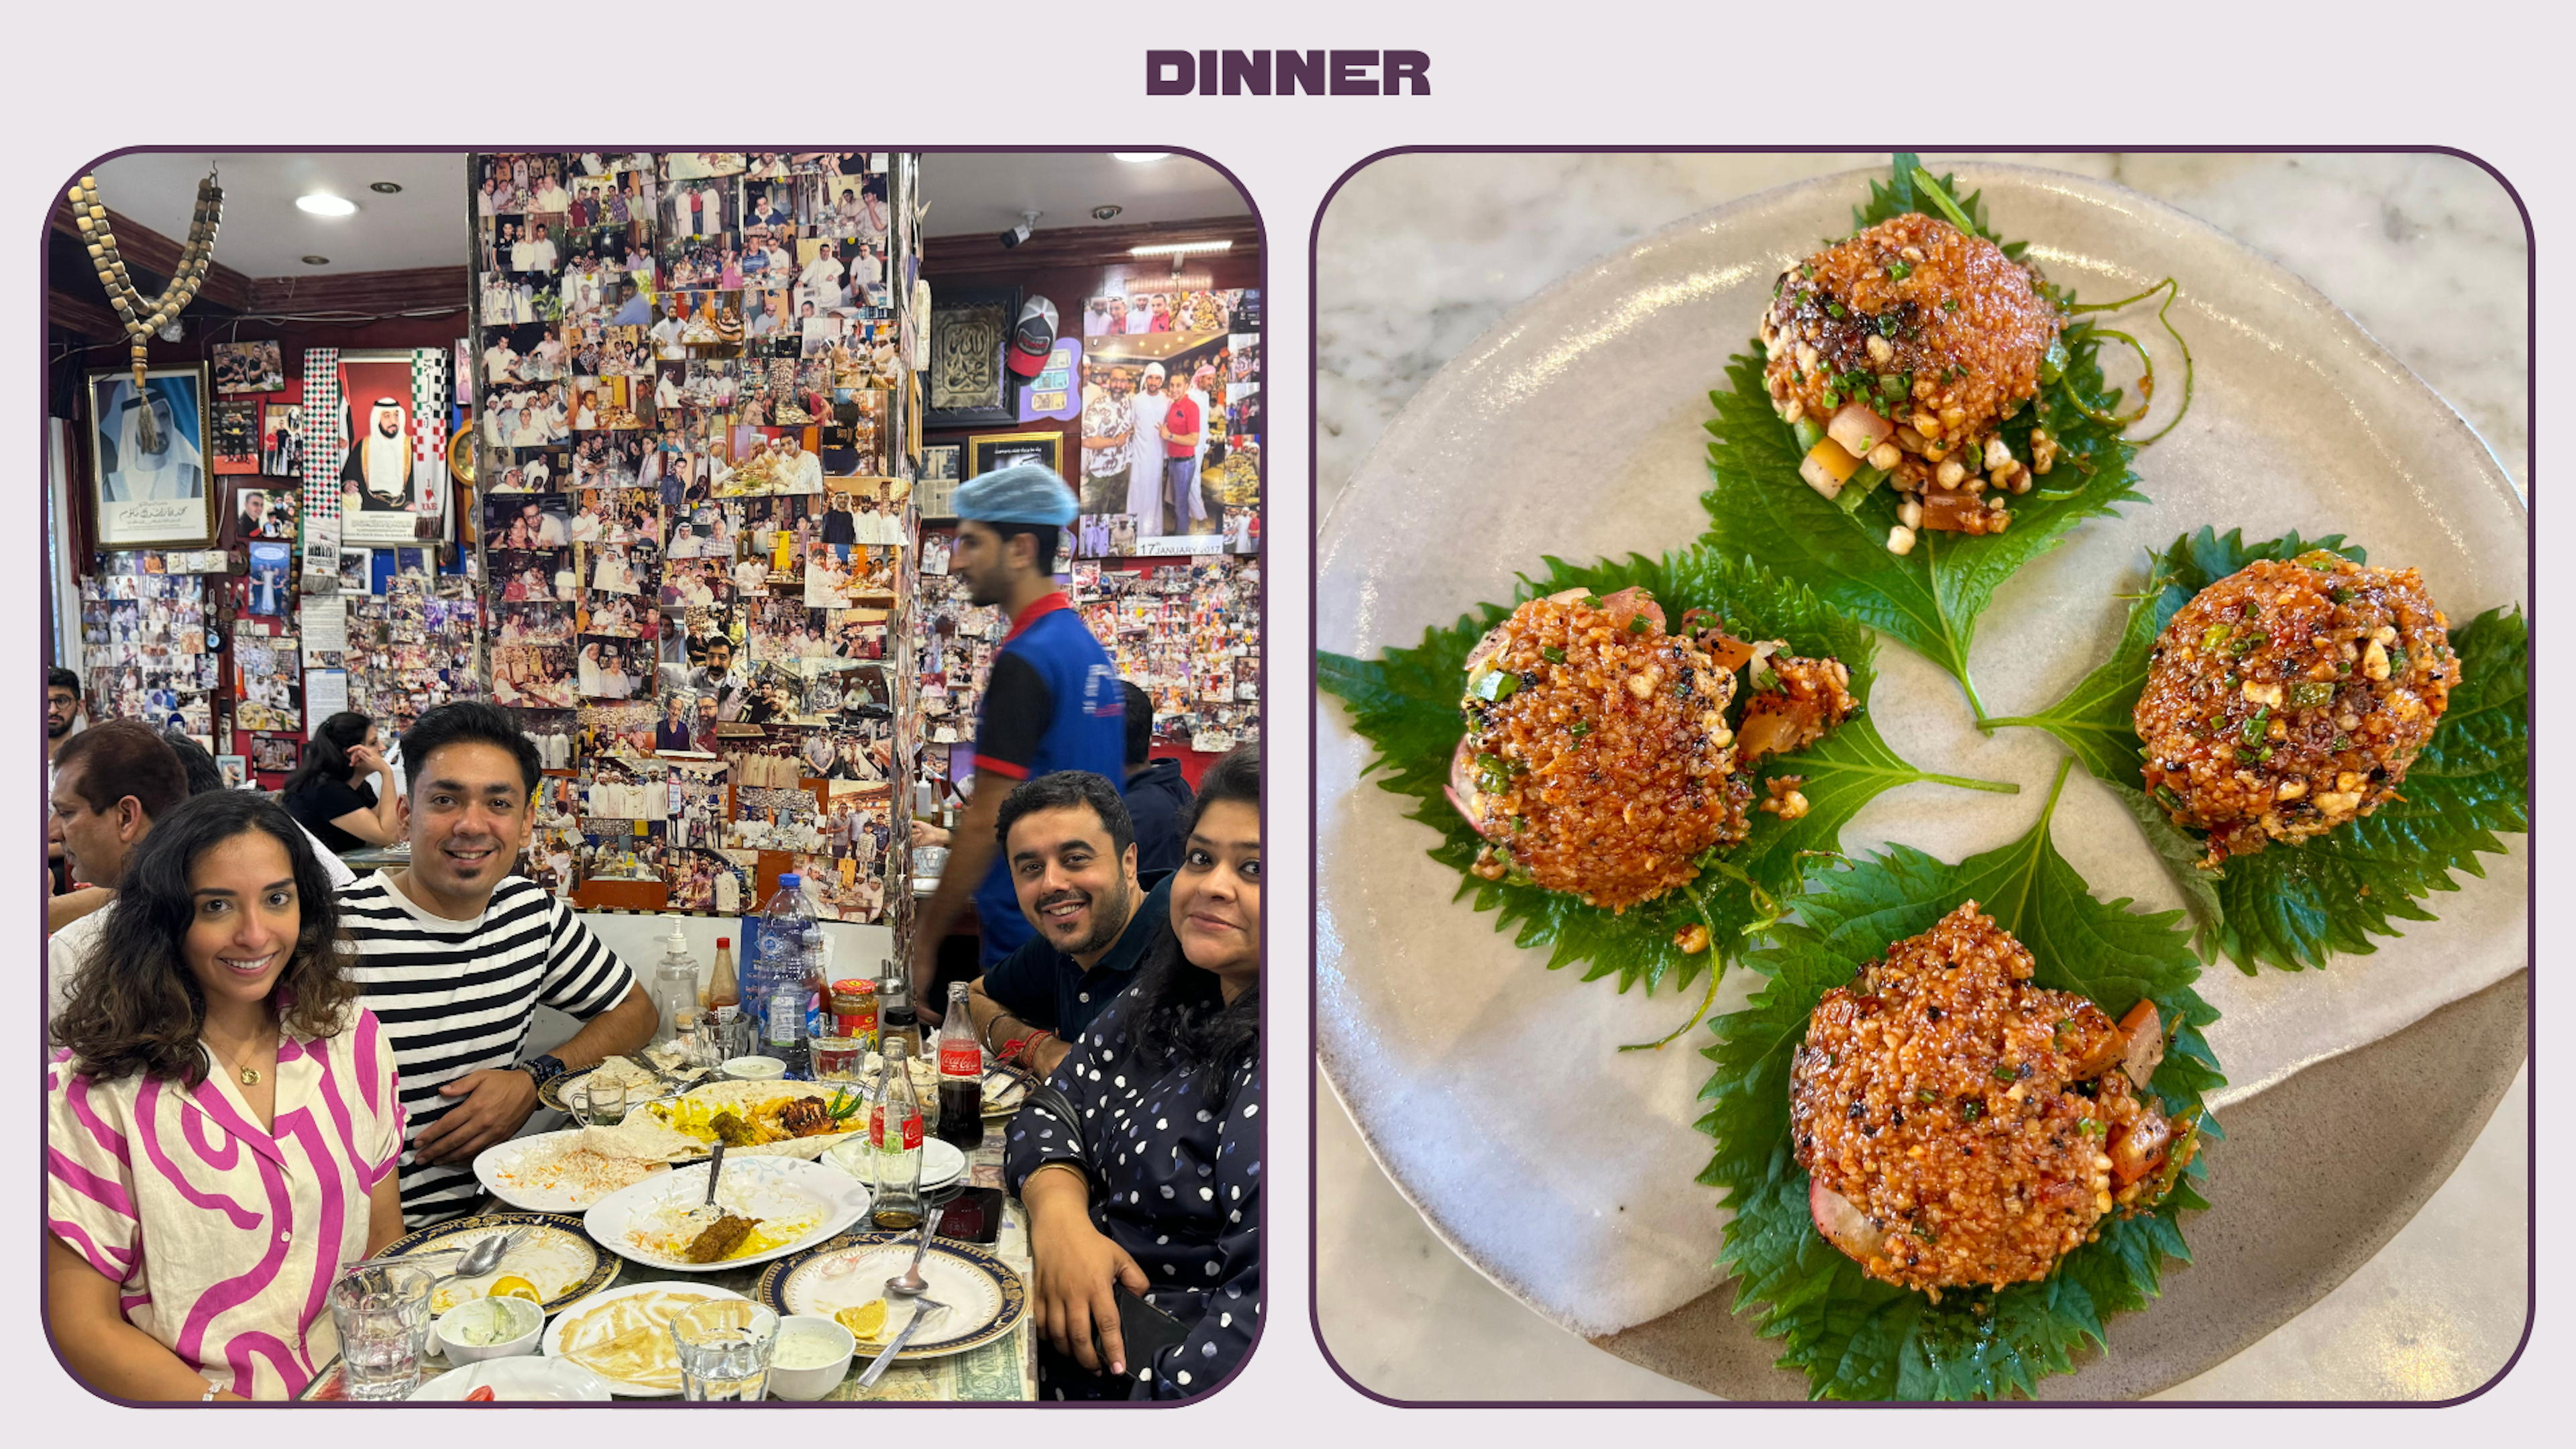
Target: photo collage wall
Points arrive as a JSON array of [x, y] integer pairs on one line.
[[144, 650], [696, 523], [1187, 632]]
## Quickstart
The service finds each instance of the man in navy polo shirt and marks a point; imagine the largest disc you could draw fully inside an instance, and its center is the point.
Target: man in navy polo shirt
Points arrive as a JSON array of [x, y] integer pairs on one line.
[[1071, 851], [1051, 703]]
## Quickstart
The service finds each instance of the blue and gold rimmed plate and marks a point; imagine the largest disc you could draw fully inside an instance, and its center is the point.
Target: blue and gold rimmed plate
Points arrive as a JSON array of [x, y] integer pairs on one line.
[[985, 1299], [559, 1259]]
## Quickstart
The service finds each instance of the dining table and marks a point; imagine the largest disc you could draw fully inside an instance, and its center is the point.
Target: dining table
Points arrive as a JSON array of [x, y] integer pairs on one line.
[[1004, 1370]]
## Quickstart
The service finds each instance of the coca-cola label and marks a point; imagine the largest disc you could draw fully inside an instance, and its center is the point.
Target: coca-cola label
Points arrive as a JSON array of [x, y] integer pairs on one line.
[[961, 1059], [911, 1134]]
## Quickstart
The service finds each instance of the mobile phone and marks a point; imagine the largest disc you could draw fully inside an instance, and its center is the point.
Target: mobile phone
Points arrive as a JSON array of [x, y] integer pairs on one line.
[[974, 1215], [1145, 1330]]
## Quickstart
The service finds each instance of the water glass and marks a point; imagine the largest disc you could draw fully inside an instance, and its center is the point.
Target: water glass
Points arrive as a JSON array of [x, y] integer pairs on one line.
[[382, 1314], [597, 1104], [837, 1058], [724, 1349]]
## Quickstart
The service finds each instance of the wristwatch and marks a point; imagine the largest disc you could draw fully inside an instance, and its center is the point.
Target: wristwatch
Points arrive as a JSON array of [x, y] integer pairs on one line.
[[541, 1070]]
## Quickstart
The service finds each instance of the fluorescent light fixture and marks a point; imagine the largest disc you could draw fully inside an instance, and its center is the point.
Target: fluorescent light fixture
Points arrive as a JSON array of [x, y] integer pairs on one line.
[[1181, 249], [1138, 158], [323, 203]]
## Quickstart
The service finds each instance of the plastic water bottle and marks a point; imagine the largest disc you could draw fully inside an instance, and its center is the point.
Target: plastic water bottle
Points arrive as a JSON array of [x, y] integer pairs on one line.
[[773, 964]]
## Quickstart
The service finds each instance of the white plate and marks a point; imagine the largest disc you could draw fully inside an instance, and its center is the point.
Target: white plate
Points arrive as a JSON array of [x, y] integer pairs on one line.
[[493, 1163], [757, 1187], [941, 1162], [1573, 428], [573, 1317], [558, 1258], [985, 1298], [517, 1380], [1003, 1093]]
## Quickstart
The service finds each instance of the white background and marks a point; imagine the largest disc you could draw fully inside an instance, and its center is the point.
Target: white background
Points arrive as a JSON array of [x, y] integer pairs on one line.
[[2490, 79]]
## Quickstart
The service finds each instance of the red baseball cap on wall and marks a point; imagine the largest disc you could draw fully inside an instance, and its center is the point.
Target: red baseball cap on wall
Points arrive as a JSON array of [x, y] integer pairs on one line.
[[1033, 338]]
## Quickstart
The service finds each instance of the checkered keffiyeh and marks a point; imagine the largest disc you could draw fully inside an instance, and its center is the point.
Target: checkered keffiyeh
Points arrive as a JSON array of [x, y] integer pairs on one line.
[[322, 441], [429, 404]]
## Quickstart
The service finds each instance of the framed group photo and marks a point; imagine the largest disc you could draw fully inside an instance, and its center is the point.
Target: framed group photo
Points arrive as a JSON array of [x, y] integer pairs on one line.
[[150, 497]]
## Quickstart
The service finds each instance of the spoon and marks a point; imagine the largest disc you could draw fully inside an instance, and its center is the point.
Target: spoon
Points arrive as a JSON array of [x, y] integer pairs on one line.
[[707, 1212], [483, 1257], [909, 1283]]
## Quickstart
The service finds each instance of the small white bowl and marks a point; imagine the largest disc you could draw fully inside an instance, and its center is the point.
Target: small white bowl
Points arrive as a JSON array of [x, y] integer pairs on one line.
[[521, 1323], [755, 1069], [809, 1384]]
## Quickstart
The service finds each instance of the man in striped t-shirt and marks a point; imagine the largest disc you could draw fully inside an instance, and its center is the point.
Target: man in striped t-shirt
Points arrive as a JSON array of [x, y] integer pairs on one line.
[[455, 953]]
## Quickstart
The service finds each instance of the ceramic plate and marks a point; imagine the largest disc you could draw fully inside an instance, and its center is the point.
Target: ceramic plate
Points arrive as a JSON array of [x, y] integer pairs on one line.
[[517, 1380], [771, 1189], [941, 1162], [560, 1260], [985, 1298], [497, 1168], [1003, 1093], [1573, 428], [586, 1326], [552, 1092]]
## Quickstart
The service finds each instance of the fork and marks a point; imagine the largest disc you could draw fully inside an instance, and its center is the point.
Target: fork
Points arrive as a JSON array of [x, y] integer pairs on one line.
[[877, 1366]]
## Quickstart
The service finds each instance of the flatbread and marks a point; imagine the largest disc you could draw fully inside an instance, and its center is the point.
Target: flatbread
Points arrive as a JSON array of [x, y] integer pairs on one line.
[[628, 1340]]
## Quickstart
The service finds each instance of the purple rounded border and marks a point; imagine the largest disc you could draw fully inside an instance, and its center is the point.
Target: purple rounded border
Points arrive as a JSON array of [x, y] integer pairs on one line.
[[45, 612]]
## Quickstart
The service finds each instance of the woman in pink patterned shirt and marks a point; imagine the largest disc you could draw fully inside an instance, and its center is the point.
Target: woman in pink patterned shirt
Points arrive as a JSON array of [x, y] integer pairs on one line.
[[221, 1123]]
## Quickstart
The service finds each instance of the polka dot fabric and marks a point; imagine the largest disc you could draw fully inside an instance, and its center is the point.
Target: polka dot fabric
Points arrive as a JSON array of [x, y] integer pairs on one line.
[[1176, 1182]]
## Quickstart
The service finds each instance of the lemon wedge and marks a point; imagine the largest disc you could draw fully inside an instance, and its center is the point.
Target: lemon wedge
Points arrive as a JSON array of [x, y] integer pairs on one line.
[[516, 1287], [866, 1322]]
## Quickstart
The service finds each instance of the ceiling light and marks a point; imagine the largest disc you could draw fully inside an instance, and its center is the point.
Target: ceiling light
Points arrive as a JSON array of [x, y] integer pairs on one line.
[[314, 261], [384, 188], [1180, 249], [1108, 212], [1138, 158], [323, 203]]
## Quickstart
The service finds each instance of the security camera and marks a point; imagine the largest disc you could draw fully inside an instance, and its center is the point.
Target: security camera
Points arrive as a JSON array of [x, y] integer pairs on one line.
[[1020, 233]]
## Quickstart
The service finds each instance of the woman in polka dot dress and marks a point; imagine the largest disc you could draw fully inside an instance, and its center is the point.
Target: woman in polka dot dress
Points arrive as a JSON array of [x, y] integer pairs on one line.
[[1157, 1187]]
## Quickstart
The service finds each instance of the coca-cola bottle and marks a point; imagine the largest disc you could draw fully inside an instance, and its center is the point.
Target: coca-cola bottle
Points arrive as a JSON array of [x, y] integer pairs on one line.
[[961, 1076], [894, 1131]]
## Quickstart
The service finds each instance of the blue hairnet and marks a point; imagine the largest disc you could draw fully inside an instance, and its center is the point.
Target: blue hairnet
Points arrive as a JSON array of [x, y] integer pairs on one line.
[[1021, 493]]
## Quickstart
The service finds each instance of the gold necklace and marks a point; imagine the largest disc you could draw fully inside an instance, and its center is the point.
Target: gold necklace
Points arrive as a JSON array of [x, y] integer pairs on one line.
[[249, 1075]]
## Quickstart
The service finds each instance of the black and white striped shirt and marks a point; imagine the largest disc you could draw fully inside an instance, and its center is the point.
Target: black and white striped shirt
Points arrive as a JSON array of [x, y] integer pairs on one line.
[[457, 997]]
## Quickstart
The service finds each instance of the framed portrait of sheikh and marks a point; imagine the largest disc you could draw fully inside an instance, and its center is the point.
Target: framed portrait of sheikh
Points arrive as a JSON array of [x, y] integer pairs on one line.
[[388, 491], [150, 497], [969, 387]]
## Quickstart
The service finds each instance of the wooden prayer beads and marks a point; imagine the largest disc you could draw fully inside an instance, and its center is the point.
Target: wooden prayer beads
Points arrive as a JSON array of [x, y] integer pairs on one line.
[[145, 316]]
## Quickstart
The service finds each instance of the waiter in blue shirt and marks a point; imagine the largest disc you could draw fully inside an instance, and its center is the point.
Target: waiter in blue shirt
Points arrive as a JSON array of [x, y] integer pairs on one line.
[[1052, 701]]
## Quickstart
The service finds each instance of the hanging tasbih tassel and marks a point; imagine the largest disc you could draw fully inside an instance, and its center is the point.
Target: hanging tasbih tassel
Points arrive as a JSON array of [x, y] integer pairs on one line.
[[144, 316]]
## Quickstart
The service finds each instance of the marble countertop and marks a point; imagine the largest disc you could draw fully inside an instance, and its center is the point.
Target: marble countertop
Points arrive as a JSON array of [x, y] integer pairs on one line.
[[1419, 254]]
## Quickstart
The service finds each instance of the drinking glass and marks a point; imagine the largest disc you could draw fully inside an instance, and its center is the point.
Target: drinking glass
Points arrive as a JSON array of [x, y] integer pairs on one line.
[[724, 1349], [837, 1058], [382, 1314], [596, 1103]]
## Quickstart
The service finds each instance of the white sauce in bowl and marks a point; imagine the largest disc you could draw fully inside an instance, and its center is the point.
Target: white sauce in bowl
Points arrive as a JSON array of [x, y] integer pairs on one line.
[[805, 1350]]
